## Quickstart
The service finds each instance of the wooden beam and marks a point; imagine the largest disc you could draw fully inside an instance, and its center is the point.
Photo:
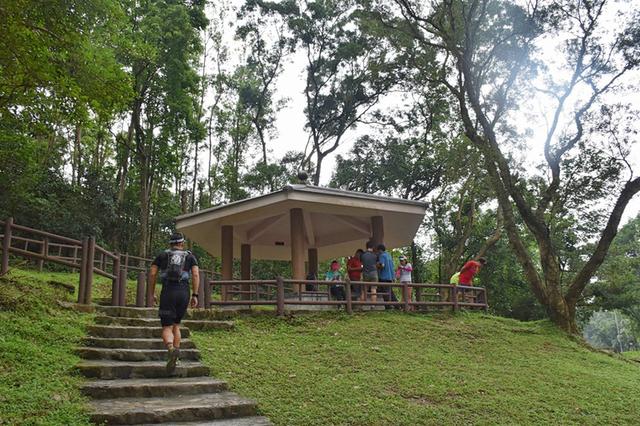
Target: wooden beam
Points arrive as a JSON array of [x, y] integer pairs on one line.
[[261, 227], [245, 269], [354, 223]]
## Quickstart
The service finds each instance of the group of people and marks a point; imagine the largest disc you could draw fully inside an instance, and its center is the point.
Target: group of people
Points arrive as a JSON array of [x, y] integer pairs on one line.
[[376, 265], [371, 265], [177, 266]]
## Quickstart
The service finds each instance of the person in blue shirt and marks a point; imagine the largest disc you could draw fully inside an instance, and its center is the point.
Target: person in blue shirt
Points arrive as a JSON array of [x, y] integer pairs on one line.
[[336, 290], [385, 275]]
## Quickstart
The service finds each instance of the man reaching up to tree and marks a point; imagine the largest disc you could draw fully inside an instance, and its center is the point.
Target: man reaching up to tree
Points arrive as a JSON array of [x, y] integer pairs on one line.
[[176, 266]]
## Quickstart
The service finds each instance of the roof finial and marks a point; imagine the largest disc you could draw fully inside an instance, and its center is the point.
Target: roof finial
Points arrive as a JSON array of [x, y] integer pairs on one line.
[[303, 176]]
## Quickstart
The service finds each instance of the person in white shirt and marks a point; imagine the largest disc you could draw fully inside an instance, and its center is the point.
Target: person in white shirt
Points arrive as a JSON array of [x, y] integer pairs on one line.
[[403, 273]]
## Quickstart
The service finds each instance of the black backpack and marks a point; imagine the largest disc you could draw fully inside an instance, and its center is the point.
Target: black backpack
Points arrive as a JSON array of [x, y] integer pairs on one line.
[[175, 272]]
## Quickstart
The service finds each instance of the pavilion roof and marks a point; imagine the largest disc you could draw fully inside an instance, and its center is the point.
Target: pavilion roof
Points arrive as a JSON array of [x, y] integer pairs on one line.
[[336, 221]]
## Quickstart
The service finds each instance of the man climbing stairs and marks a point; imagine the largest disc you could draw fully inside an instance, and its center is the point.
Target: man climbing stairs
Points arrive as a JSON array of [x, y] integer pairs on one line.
[[125, 356]]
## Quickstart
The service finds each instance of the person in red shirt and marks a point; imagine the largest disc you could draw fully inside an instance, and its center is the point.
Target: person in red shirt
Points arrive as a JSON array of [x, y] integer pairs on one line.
[[468, 271], [354, 269]]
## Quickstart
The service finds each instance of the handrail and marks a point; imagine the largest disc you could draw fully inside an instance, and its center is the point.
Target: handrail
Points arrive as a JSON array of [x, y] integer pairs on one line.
[[471, 294], [72, 253], [46, 234], [85, 252]]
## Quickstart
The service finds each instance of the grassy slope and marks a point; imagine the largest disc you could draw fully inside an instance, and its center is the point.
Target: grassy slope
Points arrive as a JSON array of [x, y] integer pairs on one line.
[[37, 337], [633, 355], [397, 369], [384, 368]]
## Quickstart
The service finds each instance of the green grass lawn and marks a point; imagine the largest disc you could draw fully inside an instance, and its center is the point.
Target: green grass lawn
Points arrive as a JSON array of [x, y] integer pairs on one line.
[[384, 368], [37, 383], [390, 368], [633, 355]]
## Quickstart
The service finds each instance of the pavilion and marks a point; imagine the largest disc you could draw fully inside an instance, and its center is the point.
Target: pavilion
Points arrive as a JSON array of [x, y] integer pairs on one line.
[[300, 223]]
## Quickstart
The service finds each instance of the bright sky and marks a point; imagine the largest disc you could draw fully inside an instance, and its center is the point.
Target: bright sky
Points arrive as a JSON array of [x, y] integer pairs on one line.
[[290, 134]]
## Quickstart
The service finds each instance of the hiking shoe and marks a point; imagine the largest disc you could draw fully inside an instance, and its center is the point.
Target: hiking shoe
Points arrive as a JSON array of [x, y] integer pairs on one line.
[[174, 353]]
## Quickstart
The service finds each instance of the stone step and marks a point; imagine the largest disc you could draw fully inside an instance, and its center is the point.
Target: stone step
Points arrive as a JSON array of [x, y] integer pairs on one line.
[[210, 406], [155, 322], [129, 332], [148, 388], [240, 421], [141, 343], [106, 369], [122, 354], [195, 314]]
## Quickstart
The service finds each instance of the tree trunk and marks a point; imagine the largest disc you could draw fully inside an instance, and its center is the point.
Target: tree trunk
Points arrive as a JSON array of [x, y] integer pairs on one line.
[[77, 142], [316, 174], [195, 179], [144, 209]]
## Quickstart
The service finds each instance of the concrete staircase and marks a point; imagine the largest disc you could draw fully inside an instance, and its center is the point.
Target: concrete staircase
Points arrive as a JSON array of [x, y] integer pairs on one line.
[[126, 357]]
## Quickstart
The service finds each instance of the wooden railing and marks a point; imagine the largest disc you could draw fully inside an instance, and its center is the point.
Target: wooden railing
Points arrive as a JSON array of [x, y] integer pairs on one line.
[[90, 258], [282, 292], [84, 255]]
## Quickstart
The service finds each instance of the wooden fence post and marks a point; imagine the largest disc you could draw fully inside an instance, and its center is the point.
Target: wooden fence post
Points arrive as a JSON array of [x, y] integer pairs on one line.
[[347, 291], [201, 284], [125, 267], [207, 292], [280, 296], [140, 289], [83, 270], [149, 293], [6, 243], [122, 290], [91, 252], [115, 283], [44, 251], [454, 297], [224, 295], [486, 300]]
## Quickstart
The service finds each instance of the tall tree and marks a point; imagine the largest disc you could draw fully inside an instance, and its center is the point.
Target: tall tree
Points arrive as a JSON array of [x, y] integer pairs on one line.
[[347, 69], [264, 38], [165, 83], [491, 60], [616, 285]]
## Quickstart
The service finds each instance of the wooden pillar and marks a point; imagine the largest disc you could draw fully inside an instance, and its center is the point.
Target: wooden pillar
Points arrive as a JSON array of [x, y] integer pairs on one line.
[[201, 284], [280, 296], [83, 270], [115, 283], [297, 245], [347, 291], [226, 254], [125, 266], [149, 292], [122, 292], [312, 255], [45, 252], [140, 287], [6, 243], [377, 230], [91, 252], [207, 292], [245, 269]]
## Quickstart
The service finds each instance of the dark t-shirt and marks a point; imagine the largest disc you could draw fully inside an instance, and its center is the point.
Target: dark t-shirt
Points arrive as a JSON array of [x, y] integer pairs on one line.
[[369, 260], [162, 261]]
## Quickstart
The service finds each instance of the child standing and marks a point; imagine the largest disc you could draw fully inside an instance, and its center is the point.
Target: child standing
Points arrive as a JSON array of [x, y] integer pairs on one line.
[[403, 273]]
